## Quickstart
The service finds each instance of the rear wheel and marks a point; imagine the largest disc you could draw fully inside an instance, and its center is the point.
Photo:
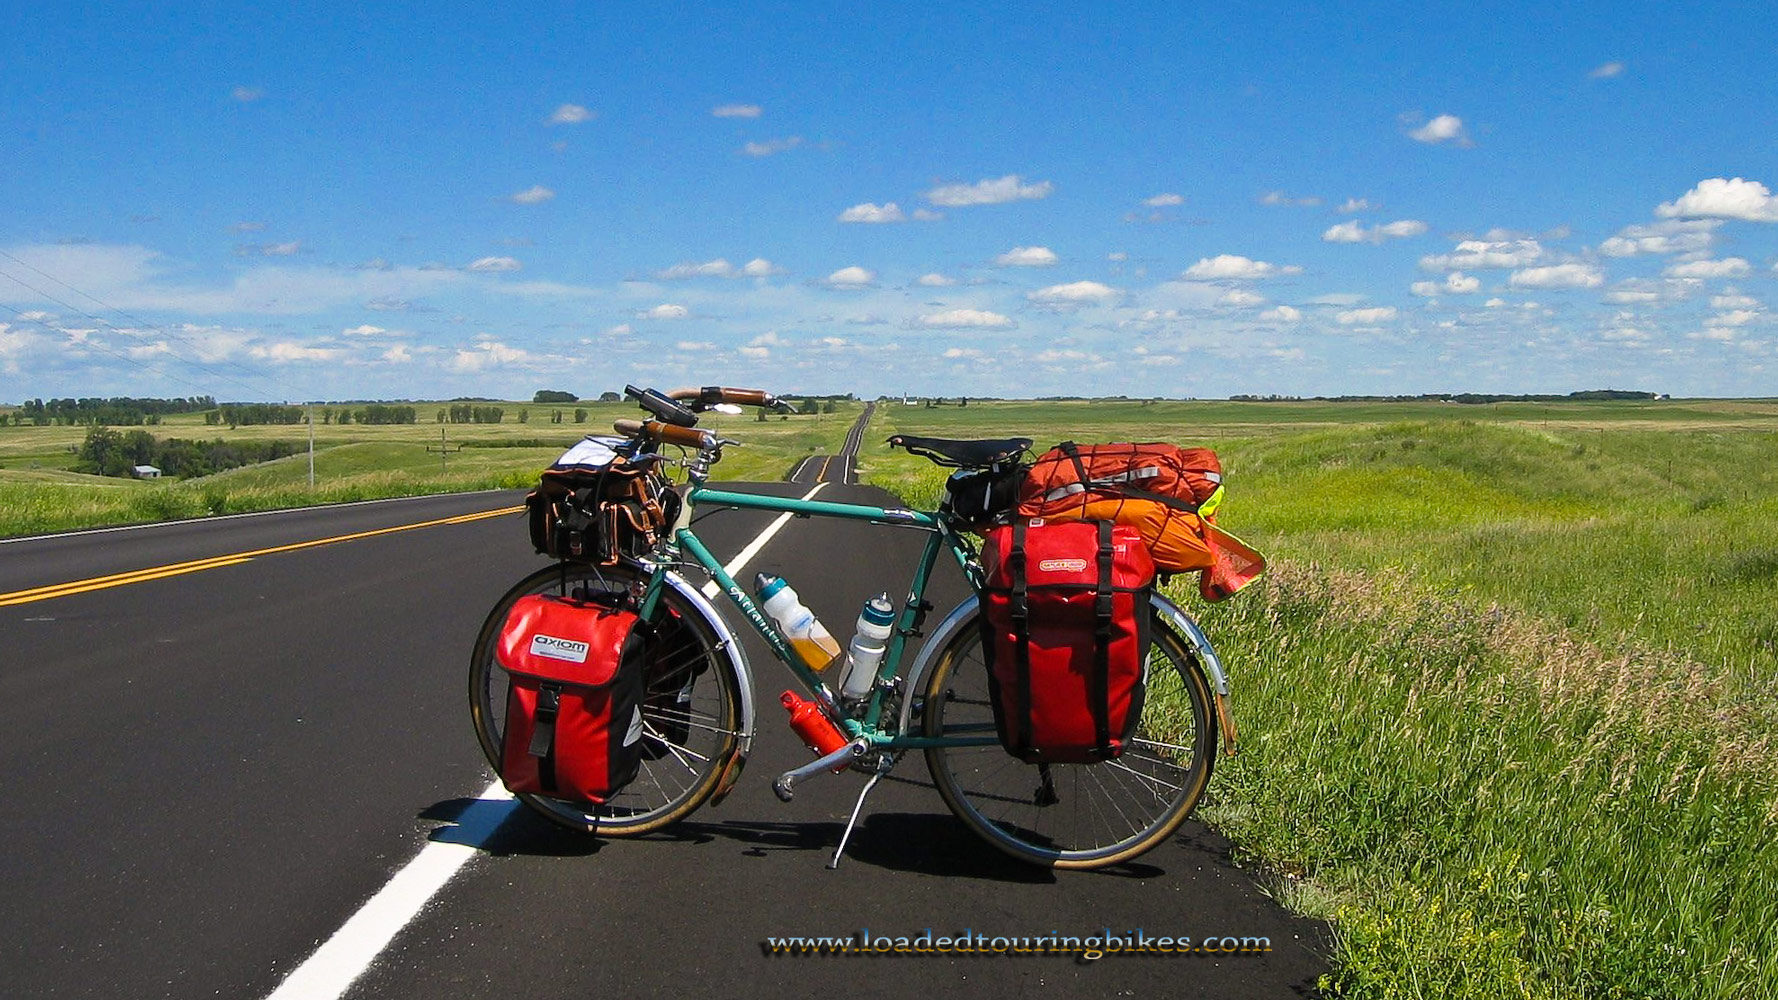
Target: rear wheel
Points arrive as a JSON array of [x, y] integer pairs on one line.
[[1073, 815], [691, 714]]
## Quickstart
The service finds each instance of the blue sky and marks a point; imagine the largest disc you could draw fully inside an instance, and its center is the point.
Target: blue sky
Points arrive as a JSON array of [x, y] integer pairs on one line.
[[379, 201]]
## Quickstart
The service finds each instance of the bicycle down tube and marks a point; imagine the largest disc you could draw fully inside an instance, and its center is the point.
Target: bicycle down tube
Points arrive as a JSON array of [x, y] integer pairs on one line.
[[907, 622]]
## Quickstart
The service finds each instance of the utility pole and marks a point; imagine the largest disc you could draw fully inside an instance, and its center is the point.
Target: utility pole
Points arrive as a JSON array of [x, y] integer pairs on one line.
[[442, 449], [311, 446]]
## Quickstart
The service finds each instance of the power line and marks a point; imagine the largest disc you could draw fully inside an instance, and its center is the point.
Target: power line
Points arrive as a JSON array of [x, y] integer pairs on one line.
[[139, 321], [202, 390], [114, 328]]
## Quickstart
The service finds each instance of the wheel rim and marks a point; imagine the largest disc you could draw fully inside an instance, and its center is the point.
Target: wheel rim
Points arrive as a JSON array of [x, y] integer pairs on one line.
[[690, 713], [1074, 815]]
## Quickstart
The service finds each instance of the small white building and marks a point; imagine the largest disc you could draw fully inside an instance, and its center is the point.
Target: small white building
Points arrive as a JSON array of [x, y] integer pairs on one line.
[[145, 472]]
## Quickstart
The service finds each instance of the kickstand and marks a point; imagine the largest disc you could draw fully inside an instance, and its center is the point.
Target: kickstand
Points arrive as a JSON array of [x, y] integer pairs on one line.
[[856, 809]]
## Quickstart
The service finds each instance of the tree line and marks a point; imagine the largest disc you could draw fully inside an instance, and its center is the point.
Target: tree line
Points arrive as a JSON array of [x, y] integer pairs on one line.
[[110, 410], [106, 452]]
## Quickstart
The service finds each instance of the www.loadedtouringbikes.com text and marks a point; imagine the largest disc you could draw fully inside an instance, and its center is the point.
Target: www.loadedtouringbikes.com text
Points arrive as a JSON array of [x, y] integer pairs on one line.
[[1084, 948]]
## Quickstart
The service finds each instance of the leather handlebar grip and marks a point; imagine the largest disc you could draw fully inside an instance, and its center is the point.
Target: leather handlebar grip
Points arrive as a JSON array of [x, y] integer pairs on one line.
[[690, 437]]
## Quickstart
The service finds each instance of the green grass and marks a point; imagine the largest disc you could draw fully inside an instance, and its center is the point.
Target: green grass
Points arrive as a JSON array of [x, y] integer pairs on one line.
[[39, 492], [1507, 698]]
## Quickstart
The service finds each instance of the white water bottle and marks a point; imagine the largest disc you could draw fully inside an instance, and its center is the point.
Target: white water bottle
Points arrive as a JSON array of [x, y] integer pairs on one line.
[[805, 633], [876, 623]]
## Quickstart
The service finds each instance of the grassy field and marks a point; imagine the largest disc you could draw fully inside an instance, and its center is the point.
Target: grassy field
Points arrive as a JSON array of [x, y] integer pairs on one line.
[[39, 492], [1507, 698]]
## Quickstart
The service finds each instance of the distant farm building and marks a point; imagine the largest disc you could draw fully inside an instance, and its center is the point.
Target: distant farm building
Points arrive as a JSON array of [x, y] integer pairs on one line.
[[145, 472]]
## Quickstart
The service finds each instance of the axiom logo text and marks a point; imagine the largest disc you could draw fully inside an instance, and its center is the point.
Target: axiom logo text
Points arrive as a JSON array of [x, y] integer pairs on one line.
[[554, 648]]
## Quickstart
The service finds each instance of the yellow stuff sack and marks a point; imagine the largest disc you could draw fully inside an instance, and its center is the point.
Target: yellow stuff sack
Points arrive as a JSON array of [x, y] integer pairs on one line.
[[1175, 538]]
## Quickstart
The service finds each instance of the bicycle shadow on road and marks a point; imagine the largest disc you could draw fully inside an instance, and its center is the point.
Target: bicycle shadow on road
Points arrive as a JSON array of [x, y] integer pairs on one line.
[[504, 828]]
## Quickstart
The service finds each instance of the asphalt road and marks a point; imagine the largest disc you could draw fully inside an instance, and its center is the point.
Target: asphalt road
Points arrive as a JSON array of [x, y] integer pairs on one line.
[[209, 773]]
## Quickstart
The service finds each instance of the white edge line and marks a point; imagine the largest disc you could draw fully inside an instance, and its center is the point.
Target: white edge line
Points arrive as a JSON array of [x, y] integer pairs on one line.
[[343, 957], [331, 970], [735, 565], [230, 517]]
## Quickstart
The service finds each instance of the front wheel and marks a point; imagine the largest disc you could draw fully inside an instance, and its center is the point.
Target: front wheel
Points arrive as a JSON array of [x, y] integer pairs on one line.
[[691, 713], [1073, 815]]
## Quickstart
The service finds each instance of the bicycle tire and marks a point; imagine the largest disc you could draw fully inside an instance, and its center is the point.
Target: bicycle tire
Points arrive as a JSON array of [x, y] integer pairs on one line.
[[1075, 816], [691, 716]]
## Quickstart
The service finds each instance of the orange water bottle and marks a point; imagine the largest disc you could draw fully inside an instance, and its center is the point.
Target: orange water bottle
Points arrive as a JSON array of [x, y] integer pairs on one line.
[[817, 732]]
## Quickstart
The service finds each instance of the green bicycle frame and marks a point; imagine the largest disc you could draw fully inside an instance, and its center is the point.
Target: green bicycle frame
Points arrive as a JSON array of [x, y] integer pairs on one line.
[[941, 537]]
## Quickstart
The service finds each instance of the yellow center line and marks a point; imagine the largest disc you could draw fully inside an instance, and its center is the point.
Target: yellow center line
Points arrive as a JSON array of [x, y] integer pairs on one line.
[[216, 562], [823, 473]]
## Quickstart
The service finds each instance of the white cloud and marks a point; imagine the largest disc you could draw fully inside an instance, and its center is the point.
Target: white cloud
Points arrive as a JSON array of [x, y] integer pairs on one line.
[[1166, 199], [694, 345], [666, 310], [284, 352], [247, 227], [1054, 356], [755, 352], [1401, 228], [1027, 257], [927, 215], [1365, 317], [873, 213], [365, 330], [1351, 205], [490, 353], [935, 280], [495, 264], [1631, 296], [852, 277], [1352, 231], [1738, 317], [718, 268], [1444, 128], [989, 192], [1672, 236], [1735, 301], [536, 194], [1480, 255], [247, 95], [759, 267], [771, 146], [1495, 303], [1241, 298], [965, 352], [1235, 266], [1075, 293], [1282, 314], [1455, 283], [289, 249], [736, 111], [570, 114], [1607, 71], [1717, 198], [1727, 267], [1281, 198], [398, 355], [960, 319], [1558, 276]]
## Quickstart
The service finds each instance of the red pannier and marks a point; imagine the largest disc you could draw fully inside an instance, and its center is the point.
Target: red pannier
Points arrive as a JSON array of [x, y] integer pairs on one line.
[[1066, 623], [574, 710]]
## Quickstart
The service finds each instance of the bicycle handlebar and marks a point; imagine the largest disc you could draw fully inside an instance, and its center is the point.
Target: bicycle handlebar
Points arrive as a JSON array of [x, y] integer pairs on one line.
[[710, 395], [689, 437]]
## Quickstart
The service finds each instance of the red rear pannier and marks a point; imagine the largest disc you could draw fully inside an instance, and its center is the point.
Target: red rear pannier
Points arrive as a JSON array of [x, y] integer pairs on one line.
[[1066, 620], [574, 711]]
